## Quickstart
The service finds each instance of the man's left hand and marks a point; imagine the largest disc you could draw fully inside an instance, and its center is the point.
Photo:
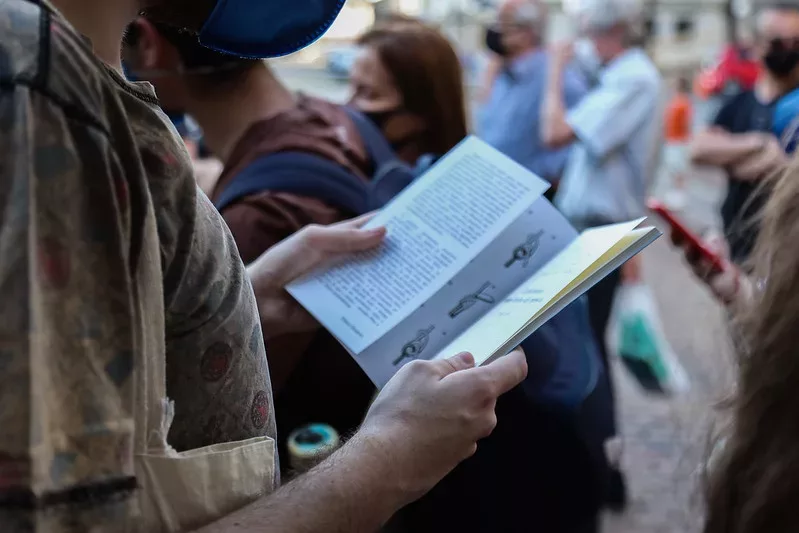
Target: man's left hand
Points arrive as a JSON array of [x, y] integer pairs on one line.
[[295, 256]]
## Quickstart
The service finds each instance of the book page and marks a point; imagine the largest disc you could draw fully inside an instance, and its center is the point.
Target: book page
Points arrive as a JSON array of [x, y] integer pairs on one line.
[[528, 244], [533, 297], [435, 227]]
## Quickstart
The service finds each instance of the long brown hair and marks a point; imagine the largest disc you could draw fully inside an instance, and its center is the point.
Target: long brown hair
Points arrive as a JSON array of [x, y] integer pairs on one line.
[[753, 482], [428, 74]]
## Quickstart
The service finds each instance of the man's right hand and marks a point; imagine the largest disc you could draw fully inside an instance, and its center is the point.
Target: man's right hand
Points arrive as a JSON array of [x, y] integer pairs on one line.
[[426, 420], [429, 417]]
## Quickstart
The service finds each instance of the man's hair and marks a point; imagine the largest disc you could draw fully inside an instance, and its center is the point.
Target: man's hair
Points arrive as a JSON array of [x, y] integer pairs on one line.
[[531, 14], [603, 15], [207, 67]]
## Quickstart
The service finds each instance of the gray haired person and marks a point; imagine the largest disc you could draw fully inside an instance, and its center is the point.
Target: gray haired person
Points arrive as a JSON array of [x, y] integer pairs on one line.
[[616, 133]]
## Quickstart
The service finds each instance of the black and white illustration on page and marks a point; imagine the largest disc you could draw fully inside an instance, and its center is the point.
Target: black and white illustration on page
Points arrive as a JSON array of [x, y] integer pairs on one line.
[[470, 300]]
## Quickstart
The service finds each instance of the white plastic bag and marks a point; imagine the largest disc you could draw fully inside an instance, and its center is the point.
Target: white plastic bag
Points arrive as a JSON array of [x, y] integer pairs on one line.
[[636, 336]]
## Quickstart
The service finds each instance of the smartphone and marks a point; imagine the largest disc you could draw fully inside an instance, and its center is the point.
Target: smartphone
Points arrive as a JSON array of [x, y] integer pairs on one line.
[[686, 235]]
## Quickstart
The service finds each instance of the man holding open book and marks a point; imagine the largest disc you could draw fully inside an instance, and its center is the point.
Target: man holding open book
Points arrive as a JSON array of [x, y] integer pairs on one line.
[[127, 309]]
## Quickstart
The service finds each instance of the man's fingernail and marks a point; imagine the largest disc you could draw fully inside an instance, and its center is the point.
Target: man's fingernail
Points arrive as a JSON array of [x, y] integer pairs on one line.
[[466, 358]]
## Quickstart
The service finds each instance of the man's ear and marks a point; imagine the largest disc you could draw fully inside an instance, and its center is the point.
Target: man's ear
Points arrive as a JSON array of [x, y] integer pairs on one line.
[[151, 48]]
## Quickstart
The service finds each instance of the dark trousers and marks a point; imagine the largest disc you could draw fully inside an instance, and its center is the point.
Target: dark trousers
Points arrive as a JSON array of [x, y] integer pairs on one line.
[[534, 473], [600, 305]]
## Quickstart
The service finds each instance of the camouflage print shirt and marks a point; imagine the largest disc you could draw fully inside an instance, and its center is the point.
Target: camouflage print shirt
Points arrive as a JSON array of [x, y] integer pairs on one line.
[[86, 159]]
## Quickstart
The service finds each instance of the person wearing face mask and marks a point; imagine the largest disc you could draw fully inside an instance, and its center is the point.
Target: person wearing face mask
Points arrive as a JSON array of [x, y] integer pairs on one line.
[[745, 139], [246, 114], [616, 133], [509, 117], [135, 388], [408, 80]]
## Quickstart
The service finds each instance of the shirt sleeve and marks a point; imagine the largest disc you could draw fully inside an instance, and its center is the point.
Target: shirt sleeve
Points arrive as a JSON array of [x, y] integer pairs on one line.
[[575, 87], [68, 334], [216, 367], [608, 115], [257, 224]]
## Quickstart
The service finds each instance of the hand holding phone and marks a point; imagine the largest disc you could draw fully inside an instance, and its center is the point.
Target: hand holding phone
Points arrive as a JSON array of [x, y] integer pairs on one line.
[[709, 263], [682, 236]]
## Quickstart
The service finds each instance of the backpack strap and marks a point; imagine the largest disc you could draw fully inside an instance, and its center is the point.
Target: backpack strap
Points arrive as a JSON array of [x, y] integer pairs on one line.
[[300, 173], [424, 163], [307, 174]]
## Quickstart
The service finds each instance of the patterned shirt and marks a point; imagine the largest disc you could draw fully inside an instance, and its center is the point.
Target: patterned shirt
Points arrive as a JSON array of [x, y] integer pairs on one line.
[[93, 178]]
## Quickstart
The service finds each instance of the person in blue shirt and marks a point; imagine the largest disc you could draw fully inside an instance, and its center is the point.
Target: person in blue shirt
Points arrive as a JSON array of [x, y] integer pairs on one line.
[[509, 119]]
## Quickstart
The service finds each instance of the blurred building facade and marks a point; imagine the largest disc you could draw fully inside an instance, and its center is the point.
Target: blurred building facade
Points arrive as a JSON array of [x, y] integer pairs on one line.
[[684, 34]]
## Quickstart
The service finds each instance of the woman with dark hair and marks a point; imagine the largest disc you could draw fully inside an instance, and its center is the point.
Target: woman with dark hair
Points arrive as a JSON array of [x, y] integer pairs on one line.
[[408, 79]]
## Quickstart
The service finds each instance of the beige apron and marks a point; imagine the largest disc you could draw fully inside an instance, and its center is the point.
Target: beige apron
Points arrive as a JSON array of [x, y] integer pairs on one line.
[[183, 491]]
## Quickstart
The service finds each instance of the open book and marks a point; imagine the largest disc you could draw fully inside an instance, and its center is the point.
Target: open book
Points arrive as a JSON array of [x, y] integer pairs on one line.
[[475, 259]]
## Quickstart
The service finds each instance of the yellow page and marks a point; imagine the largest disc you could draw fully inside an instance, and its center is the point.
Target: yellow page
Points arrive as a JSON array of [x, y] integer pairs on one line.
[[535, 296], [625, 242]]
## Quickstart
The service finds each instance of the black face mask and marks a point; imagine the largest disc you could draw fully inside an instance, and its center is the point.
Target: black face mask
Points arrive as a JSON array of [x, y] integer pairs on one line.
[[381, 118], [494, 42], [780, 59]]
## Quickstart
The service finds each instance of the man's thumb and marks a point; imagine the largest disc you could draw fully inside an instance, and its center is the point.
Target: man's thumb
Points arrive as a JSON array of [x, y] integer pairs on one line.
[[343, 239]]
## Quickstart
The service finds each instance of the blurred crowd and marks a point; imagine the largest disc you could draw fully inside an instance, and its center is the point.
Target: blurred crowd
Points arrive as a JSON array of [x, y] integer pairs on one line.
[[143, 275]]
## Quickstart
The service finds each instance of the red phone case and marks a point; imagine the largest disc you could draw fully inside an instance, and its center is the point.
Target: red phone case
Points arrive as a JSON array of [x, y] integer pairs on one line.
[[685, 234]]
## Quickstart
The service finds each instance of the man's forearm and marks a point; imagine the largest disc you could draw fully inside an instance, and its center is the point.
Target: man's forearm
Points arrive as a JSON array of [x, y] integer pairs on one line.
[[722, 149], [489, 77], [351, 492], [555, 131]]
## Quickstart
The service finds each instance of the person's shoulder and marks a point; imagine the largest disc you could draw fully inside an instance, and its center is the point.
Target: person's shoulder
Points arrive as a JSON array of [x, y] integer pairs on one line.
[[21, 39], [42, 54], [646, 68], [740, 102], [741, 97], [637, 68], [319, 105]]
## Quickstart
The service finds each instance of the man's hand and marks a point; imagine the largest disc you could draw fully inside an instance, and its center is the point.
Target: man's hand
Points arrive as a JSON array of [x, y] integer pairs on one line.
[[426, 420], [555, 131], [769, 160], [746, 156], [429, 417], [295, 256], [561, 54]]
